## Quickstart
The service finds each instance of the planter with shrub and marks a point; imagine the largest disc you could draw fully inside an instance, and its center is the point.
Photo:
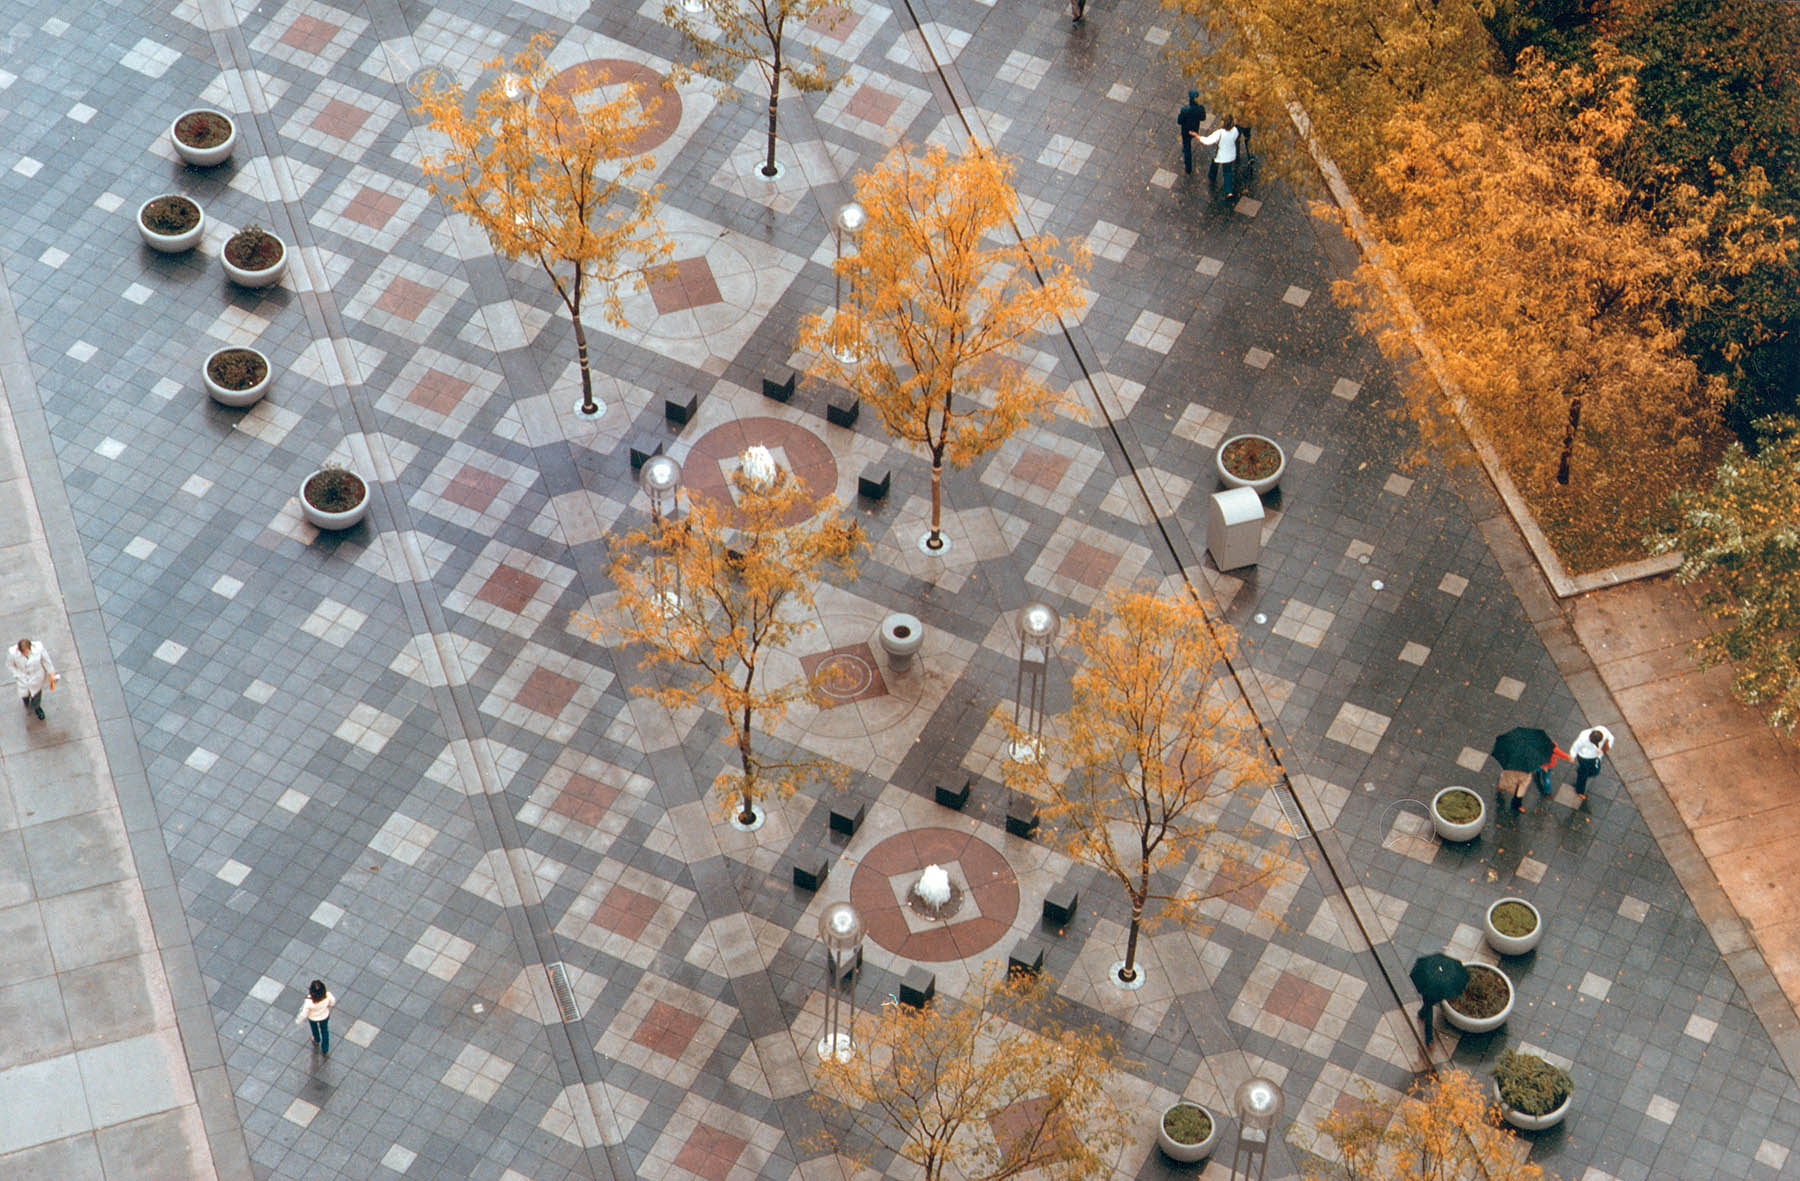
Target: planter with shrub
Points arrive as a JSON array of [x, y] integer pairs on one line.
[[334, 498], [1458, 814], [1250, 461], [1485, 1003], [171, 223], [203, 137], [1534, 1094], [237, 376], [253, 257], [1187, 1132], [1512, 926]]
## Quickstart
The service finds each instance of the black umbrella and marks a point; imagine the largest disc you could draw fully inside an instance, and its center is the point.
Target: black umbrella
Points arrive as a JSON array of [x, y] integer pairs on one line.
[[1523, 748], [1438, 978]]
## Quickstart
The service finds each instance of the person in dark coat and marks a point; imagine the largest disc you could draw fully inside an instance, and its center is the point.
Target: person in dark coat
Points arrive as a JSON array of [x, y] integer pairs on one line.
[[1189, 119]]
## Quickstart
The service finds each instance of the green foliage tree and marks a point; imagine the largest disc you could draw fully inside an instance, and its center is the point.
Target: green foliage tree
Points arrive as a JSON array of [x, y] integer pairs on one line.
[[1741, 539]]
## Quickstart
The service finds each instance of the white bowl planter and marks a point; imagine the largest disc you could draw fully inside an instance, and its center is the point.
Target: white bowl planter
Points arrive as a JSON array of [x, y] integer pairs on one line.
[[225, 395], [1259, 485], [172, 243], [1482, 1024], [1175, 1149], [204, 157], [1512, 944], [1451, 830], [901, 637], [266, 277], [1534, 1123], [321, 518]]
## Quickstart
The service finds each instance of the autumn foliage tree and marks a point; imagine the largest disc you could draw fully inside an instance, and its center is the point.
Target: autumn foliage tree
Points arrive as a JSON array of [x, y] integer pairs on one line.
[[1136, 775], [1555, 297], [1740, 538], [544, 167], [991, 1085], [731, 36], [718, 592], [1444, 1130], [938, 298]]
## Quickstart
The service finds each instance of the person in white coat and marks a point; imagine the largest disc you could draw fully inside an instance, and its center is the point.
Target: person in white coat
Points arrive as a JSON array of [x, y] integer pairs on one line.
[[315, 1010], [1226, 137], [1588, 749], [32, 672]]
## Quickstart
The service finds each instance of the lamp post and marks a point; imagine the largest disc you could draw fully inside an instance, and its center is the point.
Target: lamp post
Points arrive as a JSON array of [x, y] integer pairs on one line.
[[660, 477], [1259, 1104], [848, 222], [1039, 625], [841, 930]]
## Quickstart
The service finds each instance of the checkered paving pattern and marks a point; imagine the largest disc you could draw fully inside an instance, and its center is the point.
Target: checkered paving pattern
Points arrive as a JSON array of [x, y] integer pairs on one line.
[[388, 759]]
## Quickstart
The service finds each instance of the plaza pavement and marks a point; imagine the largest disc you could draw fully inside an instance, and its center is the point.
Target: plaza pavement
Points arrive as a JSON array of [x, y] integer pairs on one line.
[[388, 759]]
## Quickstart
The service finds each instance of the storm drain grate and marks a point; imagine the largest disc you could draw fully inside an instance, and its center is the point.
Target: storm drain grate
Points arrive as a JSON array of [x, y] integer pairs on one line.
[[1290, 808], [565, 996]]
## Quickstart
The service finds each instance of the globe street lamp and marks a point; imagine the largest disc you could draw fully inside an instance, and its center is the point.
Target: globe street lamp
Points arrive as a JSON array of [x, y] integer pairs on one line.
[[841, 930], [660, 477], [849, 222], [1259, 1103], [1039, 625]]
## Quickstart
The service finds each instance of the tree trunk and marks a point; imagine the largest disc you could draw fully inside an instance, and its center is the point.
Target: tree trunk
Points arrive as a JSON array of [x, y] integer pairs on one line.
[[588, 405], [747, 814], [768, 168], [1568, 447], [935, 539], [1128, 973]]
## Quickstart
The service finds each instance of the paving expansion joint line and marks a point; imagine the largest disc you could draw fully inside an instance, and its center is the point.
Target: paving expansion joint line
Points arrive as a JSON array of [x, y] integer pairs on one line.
[[1128, 450], [533, 940]]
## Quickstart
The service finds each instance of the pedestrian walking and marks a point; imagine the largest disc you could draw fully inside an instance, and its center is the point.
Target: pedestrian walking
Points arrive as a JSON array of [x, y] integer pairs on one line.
[[1077, 10], [1513, 783], [1225, 136], [316, 1011], [1588, 750], [33, 673], [1189, 119]]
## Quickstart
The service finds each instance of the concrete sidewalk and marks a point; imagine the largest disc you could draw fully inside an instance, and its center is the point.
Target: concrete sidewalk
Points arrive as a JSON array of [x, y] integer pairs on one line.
[[111, 1065]]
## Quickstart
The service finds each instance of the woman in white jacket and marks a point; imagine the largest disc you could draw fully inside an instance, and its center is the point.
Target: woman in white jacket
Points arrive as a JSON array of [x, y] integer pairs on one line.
[[1226, 137], [32, 672]]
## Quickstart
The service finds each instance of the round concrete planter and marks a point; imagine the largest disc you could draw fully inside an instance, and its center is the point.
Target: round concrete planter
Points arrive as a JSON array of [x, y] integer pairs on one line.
[[1261, 485], [172, 243], [1512, 944], [321, 518], [901, 637], [266, 277], [1534, 1123], [204, 157], [227, 396], [1482, 1024], [1451, 830], [1175, 1149]]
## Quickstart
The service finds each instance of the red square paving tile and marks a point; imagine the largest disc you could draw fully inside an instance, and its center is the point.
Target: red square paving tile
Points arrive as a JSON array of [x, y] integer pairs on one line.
[[667, 1030], [547, 693], [1018, 1126], [1088, 564], [438, 392], [509, 589], [1041, 467], [405, 298], [476, 489], [833, 21], [1297, 1000], [340, 119], [309, 34], [626, 911], [584, 800], [872, 105], [688, 284], [710, 1153], [1240, 883], [372, 207]]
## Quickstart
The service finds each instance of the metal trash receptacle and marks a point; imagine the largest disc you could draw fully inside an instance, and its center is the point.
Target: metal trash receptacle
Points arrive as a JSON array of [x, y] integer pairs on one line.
[[1234, 521]]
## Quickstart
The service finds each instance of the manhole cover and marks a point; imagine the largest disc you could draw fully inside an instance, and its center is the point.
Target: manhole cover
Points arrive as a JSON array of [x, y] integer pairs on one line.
[[845, 675], [430, 78]]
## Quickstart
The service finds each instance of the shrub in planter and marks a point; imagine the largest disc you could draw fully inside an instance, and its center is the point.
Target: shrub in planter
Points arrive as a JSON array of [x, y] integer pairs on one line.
[[1532, 1089], [254, 257], [171, 223], [1458, 814], [1187, 1132], [1513, 926], [203, 137], [1484, 1004], [334, 498], [1250, 461], [237, 376]]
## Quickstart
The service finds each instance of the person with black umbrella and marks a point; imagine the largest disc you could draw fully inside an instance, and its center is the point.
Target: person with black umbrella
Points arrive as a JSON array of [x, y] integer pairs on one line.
[[1438, 978], [1520, 751]]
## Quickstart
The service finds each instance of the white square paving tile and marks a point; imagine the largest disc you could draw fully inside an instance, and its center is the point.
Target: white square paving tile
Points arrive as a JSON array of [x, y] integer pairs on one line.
[[1296, 296], [1453, 584], [1346, 389], [232, 873], [1635, 909], [1660, 1108], [1509, 688], [267, 990], [140, 547], [1154, 331], [1772, 1154], [1595, 985], [1397, 484], [1258, 358], [1358, 728], [1701, 1029], [1532, 870], [1414, 653]]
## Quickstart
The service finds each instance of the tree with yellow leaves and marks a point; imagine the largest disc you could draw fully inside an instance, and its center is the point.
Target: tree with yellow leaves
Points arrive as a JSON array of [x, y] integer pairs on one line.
[[543, 166], [1150, 754], [717, 593], [939, 296], [991, 1085], [731, 36], [1555, 293], [1444, 1130]]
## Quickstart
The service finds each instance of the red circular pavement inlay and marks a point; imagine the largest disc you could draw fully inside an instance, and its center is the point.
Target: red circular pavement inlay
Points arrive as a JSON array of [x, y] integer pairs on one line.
[[990, 894], [714, 456], [657, 99]]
